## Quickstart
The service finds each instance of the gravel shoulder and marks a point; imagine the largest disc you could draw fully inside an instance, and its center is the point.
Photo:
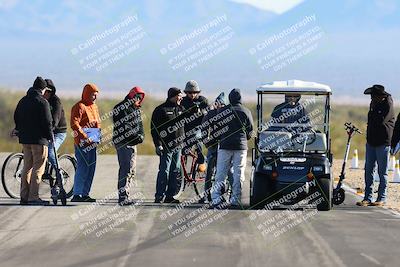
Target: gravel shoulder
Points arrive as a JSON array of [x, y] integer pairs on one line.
[[355, 180]]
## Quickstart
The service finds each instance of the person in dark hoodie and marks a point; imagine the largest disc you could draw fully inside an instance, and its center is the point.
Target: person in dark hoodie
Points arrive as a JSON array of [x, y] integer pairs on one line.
[[233, 148], [33, 124], [128, 132], [379, 135], [167, 130], [59, 122]]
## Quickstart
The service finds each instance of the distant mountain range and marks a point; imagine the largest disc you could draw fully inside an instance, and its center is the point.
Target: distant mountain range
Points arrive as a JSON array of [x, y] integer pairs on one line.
[[357, 48]]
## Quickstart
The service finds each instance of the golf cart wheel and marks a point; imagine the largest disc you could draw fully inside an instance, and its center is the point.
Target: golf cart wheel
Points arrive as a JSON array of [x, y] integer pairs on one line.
[[262, 191], [11, 174], [324, 186]]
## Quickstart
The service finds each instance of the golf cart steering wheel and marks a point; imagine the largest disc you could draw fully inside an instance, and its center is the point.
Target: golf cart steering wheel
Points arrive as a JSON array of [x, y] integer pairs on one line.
[[299, 137]]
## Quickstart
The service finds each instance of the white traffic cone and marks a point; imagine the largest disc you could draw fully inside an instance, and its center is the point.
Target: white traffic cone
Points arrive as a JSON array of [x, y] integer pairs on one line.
[[392, 163], [376, 175], [354, 161], [396, 177]]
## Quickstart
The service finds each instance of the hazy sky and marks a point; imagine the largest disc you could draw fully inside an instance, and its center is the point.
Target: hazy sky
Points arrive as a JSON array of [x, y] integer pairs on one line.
[[347, 44]]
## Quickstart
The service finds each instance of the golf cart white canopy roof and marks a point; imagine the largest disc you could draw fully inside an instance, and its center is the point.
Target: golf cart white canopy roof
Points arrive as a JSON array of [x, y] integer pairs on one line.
[[297, 86]]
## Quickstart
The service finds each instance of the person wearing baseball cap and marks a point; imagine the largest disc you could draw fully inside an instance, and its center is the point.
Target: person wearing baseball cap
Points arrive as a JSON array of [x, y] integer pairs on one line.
[[167, 131], [379, 135]]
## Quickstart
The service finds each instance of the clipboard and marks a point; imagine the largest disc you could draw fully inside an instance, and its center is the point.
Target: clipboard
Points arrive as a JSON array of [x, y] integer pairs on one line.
[[93, 133]]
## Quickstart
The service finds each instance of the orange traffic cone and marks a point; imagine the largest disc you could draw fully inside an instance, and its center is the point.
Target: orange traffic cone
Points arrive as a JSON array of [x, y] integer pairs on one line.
[[392, 163], [396, 177], [354, 161]]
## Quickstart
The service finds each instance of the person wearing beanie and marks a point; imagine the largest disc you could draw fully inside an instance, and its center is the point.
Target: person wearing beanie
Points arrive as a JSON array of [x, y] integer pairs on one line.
[[127, 134], [238, 124], [85, 124], [195, 107], [381, 120], [167, 131], [33, 125], [59, 122], [212, 126]]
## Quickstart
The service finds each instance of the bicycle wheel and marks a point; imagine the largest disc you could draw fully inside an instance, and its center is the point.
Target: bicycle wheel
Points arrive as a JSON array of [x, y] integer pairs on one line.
[[198, 178], [11, 174], [67, 165]]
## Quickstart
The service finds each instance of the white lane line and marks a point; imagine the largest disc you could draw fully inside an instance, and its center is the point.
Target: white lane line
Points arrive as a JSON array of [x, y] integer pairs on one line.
[[325, 250], [371, 259], [358, 212]]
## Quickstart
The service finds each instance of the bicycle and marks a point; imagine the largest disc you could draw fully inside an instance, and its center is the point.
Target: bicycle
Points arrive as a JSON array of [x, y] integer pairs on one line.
[[190, 174], [12, 171]]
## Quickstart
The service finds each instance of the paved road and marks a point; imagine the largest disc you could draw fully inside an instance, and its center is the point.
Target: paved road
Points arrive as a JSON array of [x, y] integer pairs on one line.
[[157, 235]]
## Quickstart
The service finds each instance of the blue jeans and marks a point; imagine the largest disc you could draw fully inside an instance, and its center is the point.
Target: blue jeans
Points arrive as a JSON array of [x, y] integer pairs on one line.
[[212, 155], [58, 140], [86, 166], [379, 155], [225, 159], [168, 170]]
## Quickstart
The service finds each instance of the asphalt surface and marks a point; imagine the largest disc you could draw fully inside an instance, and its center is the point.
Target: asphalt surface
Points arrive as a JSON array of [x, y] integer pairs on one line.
[[151, 234]]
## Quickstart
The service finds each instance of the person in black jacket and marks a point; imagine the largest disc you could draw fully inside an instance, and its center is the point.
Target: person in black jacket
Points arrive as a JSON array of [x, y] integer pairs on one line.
[[396, 135], [233, 148], [195, 107], [128, 132], [167, 130], [379, 135], [33, 124], [59, 122]]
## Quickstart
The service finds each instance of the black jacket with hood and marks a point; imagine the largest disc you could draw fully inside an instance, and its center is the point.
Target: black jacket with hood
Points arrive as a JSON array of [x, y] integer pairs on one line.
[[128, 123], [32, 119], [381, 123], [239, 123], [57, 110]]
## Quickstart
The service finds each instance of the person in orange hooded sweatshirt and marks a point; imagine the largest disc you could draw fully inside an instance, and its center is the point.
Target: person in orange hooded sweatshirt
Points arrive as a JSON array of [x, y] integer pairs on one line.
[[85, 123]]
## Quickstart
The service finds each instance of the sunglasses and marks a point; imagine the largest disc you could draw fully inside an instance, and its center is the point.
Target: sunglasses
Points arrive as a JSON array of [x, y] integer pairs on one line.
[[192, 93]]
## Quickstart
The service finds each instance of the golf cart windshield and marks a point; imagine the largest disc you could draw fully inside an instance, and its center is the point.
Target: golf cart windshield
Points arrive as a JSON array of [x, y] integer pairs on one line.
[[293, 122]]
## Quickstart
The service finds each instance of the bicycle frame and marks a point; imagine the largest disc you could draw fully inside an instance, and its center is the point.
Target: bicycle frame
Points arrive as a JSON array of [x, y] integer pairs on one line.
[[190, 176]]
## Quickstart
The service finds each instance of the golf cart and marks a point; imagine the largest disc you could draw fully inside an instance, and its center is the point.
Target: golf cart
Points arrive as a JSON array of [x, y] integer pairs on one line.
[[292, 158]]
